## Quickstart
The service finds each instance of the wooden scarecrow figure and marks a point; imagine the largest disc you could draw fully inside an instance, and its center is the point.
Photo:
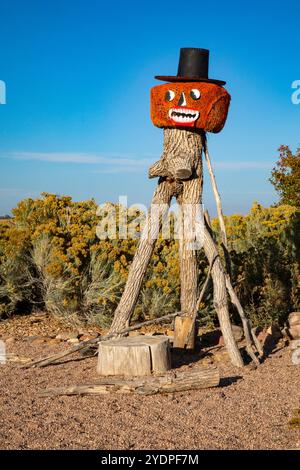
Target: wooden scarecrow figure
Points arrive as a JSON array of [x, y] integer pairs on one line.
[[186, 107]]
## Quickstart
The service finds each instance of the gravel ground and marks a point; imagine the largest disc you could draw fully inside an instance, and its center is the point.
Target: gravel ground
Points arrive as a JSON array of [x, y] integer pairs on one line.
[[250, 410]]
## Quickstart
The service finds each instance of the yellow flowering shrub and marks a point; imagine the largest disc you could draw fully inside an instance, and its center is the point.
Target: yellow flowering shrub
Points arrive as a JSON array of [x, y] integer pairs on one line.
[[51, 257]]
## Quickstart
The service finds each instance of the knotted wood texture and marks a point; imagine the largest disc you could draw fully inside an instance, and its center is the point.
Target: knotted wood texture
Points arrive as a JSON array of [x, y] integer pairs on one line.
[[137, 356], [202, 377], [181, 156]]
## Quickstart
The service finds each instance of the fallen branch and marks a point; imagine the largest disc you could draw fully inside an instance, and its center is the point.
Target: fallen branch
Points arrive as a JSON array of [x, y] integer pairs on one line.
[[204, 377], [55, 357]]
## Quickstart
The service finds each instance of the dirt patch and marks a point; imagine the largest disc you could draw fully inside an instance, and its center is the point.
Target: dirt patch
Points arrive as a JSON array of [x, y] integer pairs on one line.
[[250, 410]]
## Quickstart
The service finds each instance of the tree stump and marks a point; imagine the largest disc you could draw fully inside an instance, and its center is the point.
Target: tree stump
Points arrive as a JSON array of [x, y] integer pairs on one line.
[[134, 356], [183, 327]]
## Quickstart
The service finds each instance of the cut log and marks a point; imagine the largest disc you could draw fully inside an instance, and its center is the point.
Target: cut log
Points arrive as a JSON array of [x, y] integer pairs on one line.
[[134, 356], [202, 377]]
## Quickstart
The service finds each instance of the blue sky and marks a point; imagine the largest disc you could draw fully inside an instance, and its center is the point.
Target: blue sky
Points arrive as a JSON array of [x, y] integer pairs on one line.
[[78, 75]]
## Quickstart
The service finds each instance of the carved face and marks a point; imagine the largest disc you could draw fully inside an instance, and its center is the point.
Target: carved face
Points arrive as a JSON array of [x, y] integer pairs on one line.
[[190, 104]]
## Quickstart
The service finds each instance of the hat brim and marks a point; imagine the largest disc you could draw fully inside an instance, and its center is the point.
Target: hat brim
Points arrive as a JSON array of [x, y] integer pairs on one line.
[[166, 78]]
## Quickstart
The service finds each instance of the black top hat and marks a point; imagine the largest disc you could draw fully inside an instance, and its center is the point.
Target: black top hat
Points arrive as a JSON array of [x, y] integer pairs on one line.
[[193, 67]]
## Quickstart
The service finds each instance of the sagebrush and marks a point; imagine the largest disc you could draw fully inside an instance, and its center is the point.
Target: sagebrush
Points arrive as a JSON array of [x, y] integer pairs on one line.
[[52, 259]]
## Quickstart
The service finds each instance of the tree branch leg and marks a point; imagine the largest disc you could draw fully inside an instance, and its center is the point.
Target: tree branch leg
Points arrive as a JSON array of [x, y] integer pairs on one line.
[[159, 208]]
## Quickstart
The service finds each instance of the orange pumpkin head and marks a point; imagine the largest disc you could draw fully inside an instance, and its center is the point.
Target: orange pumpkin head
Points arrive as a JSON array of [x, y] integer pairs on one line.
[[198, 105]]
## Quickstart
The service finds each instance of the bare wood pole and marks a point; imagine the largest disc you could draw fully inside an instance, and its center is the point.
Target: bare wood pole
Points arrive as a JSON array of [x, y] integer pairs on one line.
[[189, 201], [159, 208], [248, 331], [216, 194]]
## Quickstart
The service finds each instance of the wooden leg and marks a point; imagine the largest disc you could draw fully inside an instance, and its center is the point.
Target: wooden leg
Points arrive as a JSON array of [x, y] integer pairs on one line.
[[160, 204], [189, 203]]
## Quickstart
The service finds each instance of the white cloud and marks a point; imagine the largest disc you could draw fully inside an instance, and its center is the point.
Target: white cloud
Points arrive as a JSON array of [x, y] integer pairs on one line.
[[125, 164], [82, 158]]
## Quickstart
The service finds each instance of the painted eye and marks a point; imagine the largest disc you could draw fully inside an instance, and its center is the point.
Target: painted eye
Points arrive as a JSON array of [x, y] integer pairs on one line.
[[170, 95], [195, 94]]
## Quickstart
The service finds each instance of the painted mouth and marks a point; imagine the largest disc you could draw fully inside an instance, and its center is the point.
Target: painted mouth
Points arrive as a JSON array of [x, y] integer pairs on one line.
[[183, 116]]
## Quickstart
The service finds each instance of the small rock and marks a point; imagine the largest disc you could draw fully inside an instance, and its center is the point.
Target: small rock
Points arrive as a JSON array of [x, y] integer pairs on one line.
[[210, 338], [85, 337], [67, 335], [207, 360], [35, 320], [82, 332], [73, 340], [238, 332], [221, 355], [53, 341], [294, 318], [294, 331]]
